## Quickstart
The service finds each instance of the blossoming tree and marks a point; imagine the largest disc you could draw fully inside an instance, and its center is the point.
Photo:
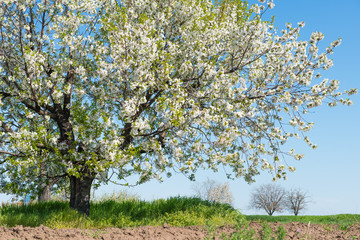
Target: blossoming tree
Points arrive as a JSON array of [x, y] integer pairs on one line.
[[137, 87]]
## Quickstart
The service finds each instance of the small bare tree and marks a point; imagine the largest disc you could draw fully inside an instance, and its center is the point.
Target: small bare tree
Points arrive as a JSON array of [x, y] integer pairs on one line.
[[269, 197], [296, 200], [211, 190]]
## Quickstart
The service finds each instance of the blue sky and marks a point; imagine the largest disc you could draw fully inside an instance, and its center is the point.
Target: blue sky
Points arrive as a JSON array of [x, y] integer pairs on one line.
[[331, 173]]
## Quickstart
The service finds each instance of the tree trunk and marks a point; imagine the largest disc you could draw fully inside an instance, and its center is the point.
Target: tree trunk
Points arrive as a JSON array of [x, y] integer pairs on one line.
[[80, 193], [45, 195]]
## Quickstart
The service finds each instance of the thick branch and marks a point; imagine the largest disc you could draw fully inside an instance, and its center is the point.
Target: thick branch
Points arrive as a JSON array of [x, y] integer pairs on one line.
[[12, 154], [128, 126]]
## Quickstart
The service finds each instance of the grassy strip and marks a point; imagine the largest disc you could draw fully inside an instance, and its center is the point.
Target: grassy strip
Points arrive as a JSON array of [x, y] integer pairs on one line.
[[175, 211], [132, 212], [340, 219]]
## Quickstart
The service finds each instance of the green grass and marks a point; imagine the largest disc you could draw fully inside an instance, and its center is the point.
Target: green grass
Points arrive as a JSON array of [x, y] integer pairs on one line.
[[340, 219], [175, 211], [129, 211]]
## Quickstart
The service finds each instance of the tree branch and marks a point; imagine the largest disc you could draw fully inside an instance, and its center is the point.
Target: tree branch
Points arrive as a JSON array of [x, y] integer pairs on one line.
[[12, 154]]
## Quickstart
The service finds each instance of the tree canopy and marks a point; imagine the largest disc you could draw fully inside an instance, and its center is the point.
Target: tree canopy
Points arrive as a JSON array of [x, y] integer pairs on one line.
[[137, 87]]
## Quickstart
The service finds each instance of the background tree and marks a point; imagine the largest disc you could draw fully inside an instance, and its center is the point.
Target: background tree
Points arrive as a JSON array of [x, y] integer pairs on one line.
[[211, 190], [296, 200], [269, 197], [137, 87]]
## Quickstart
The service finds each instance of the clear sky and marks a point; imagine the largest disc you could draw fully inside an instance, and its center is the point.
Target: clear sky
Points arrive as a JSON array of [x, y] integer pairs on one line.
[[331, 173]]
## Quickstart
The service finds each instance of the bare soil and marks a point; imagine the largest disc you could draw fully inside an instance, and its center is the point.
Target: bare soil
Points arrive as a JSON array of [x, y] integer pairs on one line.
[[294, 231]]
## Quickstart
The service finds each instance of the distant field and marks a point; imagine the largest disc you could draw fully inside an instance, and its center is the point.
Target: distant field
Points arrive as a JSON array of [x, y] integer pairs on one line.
[[340, 219]]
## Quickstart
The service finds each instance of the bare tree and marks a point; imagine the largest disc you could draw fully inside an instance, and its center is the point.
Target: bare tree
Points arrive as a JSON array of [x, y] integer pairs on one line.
[[296, 200], [213, 191], [269, 197]]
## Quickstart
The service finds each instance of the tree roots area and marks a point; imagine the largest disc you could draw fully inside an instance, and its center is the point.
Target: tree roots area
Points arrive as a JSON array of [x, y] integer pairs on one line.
[[293, 230]]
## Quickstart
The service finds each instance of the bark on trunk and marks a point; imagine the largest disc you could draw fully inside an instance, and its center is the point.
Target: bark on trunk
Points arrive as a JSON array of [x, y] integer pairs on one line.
[[45, 195], [80, 193]]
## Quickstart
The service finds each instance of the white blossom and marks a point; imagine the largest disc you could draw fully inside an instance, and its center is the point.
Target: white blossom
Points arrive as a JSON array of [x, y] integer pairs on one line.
[[143, 86]]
